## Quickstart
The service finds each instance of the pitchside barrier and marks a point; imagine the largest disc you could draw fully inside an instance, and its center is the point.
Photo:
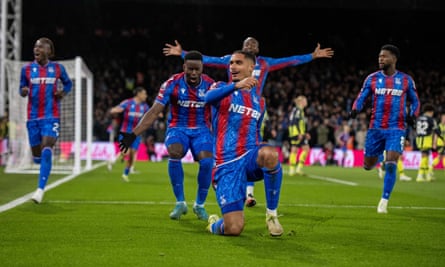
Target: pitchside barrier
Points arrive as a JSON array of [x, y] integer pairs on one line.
[[317, 156]]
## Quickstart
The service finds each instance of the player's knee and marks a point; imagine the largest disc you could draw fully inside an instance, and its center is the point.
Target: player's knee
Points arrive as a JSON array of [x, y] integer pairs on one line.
[[234, 229], [369, 163], [175, 151], [175, 154], [269, 156], [367, 167], [274, 154]]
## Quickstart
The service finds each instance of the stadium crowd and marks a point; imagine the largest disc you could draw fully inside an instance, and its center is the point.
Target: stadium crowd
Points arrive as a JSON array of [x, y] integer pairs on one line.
[[125, 55], [330, 87]]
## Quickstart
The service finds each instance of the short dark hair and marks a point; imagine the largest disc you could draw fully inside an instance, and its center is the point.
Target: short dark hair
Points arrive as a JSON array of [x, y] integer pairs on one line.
[[428, 107], [393, 49], [137, 90], [246, 54], [193, 55]]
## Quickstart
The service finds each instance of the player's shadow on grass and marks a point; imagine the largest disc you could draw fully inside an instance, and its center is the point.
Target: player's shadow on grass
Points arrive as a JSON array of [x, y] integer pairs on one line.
[[46, 207]]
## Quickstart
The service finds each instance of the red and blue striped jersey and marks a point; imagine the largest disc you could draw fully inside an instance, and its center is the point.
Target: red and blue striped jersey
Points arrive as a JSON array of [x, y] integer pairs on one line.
[[187, 106], [43, 82], [132, 113], [236, 123], [389, 95], [263, 65]]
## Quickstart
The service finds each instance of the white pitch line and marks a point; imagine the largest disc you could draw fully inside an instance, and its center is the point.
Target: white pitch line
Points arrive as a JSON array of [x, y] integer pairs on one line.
[[330, 179], [169, 203], [359, 206], [27, 197]]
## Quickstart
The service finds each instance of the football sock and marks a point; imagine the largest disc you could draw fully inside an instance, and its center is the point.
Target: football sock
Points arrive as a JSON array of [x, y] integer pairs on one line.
[[249, 188], [204, 179], [271, 212], [423, 168], [302, 159], [126, 170], [176, 173], [272, 185], [45, 166], [400, 168], [390, 178], [218, 227], [292, 160]]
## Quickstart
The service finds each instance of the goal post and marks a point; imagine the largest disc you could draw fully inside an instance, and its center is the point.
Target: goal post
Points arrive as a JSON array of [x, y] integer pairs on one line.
[[73, 149]]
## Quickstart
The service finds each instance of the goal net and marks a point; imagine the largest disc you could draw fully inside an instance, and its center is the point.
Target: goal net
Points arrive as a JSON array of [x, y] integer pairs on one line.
[[72, 151]]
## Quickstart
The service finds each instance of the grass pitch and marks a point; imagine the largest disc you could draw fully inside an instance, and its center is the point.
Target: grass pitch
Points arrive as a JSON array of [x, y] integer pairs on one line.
[[329, 218]]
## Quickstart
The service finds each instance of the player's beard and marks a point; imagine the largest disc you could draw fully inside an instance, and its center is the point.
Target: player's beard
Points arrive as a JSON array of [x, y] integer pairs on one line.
[[385, 67]]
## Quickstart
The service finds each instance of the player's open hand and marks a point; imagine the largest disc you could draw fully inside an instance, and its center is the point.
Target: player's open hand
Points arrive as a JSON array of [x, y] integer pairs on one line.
[[322, 53], [172, 50], [125, 141]]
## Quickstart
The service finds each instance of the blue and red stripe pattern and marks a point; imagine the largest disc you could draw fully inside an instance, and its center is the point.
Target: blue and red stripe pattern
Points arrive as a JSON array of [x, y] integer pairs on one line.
[[390, 97], [132, 113], [236, 123], [187, 106], [43, 82]]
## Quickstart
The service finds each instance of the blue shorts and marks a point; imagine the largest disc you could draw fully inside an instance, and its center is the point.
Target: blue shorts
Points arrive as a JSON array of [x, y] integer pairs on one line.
[[197, 140], [230, 180], [37, 129], [378, 140], [136, 142]]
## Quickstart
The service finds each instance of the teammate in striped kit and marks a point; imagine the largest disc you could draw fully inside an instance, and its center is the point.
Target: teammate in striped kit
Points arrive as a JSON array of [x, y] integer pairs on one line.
[[132, 109], [39, 82], [390, 91], [188, 128], [237, 113], [263, 66]]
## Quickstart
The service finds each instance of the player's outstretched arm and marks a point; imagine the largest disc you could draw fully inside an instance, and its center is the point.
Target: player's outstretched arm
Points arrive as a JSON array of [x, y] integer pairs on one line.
[[246, 83], [172, 50], [322, 53], [148, 118]]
